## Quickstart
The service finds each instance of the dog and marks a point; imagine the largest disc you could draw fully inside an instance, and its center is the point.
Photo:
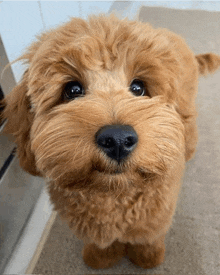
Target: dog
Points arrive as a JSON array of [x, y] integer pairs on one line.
[[105, 112]]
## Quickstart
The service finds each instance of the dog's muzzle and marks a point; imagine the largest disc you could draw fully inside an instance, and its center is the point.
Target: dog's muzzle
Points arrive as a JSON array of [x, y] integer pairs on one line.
[[117, 141]]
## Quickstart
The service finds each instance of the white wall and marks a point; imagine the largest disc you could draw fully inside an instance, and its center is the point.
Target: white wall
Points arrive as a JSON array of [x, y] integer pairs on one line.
[[21, 21]]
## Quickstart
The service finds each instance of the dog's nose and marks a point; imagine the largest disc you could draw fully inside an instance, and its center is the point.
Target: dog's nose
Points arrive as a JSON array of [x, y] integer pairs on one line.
[[117, 141]]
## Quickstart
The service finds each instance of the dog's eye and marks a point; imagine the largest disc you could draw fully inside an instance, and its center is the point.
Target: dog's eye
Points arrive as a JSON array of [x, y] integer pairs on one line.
[[73, 89], [137, 88]]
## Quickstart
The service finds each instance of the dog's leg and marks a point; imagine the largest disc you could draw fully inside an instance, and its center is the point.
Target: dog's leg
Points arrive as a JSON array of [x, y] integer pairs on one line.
[[191, 138], [103, 258], [148, 255]]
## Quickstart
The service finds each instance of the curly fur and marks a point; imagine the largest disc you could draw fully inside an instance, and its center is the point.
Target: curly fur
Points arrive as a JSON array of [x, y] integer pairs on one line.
[[114, 213]]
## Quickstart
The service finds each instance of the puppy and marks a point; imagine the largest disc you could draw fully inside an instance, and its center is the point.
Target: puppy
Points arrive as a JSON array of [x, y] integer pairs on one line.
[[106, 114]]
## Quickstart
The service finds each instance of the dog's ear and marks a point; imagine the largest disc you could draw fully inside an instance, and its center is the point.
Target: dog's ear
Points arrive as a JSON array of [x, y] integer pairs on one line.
[[19, 119], [208, 63]]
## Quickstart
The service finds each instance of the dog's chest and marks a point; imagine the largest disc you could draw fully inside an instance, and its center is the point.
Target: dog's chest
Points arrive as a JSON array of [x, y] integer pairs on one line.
[[102, 218], [105, 218]]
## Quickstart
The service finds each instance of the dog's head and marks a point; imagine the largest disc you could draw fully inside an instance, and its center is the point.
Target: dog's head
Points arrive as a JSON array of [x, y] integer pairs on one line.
[[100, 103]]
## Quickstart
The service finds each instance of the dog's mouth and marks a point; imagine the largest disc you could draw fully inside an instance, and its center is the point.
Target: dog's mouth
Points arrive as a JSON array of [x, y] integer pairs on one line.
[[112, 172], [109, 168], [118, 171]]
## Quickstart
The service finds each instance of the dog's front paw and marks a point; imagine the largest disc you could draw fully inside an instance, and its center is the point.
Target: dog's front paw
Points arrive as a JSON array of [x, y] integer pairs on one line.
[[97, 258], [146, 256]]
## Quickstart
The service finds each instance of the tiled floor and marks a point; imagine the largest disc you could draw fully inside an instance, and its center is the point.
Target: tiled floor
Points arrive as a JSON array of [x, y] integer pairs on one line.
[[31, 236]]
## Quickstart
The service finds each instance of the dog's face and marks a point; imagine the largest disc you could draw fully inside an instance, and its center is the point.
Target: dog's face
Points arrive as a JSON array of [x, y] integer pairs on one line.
[[98, 105]]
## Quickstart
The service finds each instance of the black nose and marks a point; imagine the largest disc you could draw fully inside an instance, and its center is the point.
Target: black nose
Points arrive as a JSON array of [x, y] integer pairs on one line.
[[117, 141]]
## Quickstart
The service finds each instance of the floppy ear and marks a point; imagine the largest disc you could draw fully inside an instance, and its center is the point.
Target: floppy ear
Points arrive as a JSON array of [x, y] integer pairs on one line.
[[19, 121], [208, 63]]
